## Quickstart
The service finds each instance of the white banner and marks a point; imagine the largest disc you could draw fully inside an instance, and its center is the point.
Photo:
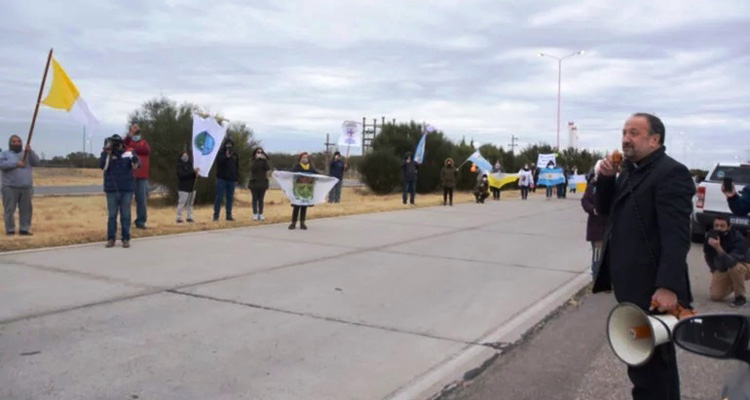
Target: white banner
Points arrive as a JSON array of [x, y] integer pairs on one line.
[[544, 159], [351, 134], [304, 189], [207, 138]]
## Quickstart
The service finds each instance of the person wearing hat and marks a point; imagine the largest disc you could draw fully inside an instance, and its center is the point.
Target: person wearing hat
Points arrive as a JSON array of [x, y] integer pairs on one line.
[[299, 213], [227, 175], [336, 170]]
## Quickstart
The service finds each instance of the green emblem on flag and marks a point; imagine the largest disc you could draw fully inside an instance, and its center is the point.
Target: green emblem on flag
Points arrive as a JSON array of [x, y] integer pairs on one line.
[[303, 187]]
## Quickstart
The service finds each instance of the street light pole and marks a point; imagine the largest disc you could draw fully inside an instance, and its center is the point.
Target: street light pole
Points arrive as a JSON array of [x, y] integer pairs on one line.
[[559, 84]]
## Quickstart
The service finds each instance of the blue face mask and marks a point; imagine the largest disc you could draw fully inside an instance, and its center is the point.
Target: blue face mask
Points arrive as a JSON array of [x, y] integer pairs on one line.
[[136, 138]]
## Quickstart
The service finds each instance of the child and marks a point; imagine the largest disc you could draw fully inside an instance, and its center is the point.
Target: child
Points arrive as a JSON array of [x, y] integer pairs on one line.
[[300, 212]]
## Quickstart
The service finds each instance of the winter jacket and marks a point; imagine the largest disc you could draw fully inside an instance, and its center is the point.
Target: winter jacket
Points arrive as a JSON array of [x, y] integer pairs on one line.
[[227, 168], [16, 177], [259, 174], [118, 172], [298, 168], [740, 203], [596, 224], [525, 178], [409, 170], [142, 150], [336, 169], [185, 176], [482, 188], [448, 175], [735, 250]]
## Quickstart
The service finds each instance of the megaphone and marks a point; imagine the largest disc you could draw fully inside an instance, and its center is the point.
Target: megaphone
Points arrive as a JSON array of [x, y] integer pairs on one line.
[[633, 335]]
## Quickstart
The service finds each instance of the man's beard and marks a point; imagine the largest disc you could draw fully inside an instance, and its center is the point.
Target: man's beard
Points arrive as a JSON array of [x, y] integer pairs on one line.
[[16, 149]]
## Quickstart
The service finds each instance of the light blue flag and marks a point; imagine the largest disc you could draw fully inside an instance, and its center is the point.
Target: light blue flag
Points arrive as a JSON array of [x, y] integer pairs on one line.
[[419, 153], [480, 162], [551, 177]]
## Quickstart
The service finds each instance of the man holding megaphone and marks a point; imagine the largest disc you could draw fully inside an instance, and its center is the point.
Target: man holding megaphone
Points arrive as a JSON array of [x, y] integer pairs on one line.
[[645, 248]]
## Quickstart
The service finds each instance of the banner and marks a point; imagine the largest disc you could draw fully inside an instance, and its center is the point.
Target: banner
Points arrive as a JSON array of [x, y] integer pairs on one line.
[[480, 162], [551, 177], [350, 134], [304, 189], [577, 182], [500, 179], [207, 138], [544, 159]]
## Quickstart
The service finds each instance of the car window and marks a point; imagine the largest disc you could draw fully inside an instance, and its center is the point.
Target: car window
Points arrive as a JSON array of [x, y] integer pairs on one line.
[[739, 175]]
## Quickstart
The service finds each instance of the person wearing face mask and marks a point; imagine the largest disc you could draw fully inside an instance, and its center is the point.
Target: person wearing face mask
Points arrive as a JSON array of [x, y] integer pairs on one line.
[[142, 150], [119, 166], [725, 252], [259, 182], [448, 175], [336, 170], [299, 213], [481, 192], [186, 176], [409, 170], [18, 185], [227, 176], [525, 181]]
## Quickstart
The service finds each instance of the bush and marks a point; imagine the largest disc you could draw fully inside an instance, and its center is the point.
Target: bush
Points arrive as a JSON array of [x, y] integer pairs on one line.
[[381, 171]]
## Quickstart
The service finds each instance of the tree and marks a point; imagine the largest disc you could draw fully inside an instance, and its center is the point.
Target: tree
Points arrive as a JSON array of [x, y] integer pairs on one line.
[[168, 128]]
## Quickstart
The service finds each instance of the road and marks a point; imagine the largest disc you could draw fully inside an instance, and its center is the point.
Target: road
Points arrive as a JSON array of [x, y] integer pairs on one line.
[[97, 189], [380, 306]]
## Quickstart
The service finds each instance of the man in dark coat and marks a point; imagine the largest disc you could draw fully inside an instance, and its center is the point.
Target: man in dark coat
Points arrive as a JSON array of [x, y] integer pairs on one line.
[[409, 169], [596, 224], [646, 245], [227, 175], [336, 169]]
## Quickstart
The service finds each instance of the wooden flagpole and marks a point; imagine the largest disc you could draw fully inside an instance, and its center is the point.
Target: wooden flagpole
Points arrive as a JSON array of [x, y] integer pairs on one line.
[[38, 101]]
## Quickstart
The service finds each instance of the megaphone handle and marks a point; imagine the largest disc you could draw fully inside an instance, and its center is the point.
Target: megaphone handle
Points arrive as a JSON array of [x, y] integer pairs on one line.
[[677, 311]]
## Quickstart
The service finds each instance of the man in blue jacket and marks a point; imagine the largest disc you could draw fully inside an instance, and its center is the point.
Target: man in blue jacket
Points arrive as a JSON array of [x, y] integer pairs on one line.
[[18, 186], [119, 184], [336, 170]]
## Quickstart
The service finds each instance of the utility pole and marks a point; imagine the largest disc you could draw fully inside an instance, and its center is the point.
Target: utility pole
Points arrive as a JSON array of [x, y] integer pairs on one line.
[[513, 144], [328, 145]]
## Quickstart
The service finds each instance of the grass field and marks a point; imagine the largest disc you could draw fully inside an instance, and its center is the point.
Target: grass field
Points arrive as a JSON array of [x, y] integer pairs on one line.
[[68, 220], [67, 177]]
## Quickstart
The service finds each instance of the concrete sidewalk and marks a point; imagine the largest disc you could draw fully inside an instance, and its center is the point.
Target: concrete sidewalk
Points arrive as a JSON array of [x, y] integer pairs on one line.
[[388, 305]]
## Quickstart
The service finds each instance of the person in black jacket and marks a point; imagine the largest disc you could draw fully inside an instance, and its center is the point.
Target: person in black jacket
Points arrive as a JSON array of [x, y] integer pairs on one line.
[[648, 238], [259, 182], [300, 212], [409, 169], [596, 224], [336, 170], [186, 176], [725, 252], [481, 191], [227, 175]]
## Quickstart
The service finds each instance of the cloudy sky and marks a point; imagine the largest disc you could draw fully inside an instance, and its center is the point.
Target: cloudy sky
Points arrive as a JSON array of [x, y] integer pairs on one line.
[[295, 69]]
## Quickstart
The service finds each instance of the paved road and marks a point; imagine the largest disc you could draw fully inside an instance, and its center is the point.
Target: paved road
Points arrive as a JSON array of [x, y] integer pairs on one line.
[[97, 189], [579, 364], [381, 306]]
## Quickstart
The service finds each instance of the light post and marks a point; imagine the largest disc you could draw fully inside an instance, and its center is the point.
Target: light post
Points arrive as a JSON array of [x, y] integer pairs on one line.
[[559, 79]]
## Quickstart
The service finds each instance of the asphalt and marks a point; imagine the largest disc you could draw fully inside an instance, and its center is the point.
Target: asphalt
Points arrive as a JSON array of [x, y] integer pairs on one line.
[[393, 305], [569, 357]]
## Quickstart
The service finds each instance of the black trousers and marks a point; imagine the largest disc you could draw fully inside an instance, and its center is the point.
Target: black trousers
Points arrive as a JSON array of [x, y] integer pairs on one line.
[[524, 192], [447, 195], [299, 213], [496, 193], [258, 196], [658, 379]]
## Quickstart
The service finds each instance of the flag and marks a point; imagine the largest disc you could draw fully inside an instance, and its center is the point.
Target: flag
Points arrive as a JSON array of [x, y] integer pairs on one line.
[[419, 152], [577, 182], [551, 177], [207, 138], [304, 189], [64, 95], [480, 162], [350, 136], [500, 179]]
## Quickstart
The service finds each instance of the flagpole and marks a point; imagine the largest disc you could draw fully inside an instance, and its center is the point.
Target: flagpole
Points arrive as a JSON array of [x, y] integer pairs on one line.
[[38, 101]]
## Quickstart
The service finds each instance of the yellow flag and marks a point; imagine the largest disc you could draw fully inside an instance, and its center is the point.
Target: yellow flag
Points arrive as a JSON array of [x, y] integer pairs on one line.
[[65, 96]]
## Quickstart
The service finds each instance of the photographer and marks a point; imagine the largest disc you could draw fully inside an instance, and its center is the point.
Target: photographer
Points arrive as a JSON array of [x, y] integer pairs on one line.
[[738, 203], [227, 176], [725, 252], [119, 183]]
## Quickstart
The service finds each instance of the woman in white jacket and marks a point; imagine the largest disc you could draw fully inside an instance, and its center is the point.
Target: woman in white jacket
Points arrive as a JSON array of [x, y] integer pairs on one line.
[[525, 181]]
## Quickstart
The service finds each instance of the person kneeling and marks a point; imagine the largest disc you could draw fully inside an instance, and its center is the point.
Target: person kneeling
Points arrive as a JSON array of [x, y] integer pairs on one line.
[[725, 252], [481, 192]]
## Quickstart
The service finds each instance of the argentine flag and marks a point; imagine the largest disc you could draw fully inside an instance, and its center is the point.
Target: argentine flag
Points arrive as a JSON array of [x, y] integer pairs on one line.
[[419, 152], [480, 162], [551, 177]]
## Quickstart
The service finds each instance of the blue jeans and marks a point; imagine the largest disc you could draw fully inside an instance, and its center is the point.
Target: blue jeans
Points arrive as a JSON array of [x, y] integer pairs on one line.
[[549, 191], [224, 188], [335, 195], [118, 202], [410, 188], [141, 197]]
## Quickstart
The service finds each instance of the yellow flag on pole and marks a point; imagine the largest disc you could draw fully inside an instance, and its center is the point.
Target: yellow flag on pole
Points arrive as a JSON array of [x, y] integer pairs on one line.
[[64, 95]]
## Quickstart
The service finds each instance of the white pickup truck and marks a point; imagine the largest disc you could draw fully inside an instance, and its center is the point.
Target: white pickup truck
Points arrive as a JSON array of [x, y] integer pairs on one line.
[[710, 201]]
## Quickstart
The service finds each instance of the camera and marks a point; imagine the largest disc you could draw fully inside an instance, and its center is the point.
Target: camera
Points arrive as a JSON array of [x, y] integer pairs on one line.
[[113, 142]]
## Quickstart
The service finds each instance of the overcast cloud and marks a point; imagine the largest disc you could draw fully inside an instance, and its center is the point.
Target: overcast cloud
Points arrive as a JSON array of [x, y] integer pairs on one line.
[[295, 69]]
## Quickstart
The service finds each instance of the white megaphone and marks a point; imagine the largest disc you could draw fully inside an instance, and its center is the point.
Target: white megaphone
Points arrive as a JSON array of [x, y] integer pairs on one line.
[[633, 334]]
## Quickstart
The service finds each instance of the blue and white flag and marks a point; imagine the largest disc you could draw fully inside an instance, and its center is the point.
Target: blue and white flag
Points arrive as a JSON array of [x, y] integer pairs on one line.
[[480, 162], [207, 138], [419, 152], [551, 177]]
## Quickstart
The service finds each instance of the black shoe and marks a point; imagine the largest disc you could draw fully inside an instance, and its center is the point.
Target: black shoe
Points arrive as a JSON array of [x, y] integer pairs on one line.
[[739, 301], [303, 226], [230, 219], [179, 221], [292, 226], [141, 227], [10, 233], [25, 233], [216, 219], [190, 220]]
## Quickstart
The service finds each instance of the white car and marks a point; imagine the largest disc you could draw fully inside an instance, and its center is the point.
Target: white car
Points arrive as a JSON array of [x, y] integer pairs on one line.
[[710, 202]]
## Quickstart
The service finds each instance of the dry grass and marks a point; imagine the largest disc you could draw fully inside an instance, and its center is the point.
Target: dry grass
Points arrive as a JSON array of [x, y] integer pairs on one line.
[[69, 220], [67, 176]]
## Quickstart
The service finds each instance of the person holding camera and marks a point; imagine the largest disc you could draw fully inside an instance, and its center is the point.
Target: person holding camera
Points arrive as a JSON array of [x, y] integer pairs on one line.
[[119, 168], [725, 252], [259, 182], [142, 150], [186, 176], [227, 176], [739, 204], [18, 185], [336, 169]]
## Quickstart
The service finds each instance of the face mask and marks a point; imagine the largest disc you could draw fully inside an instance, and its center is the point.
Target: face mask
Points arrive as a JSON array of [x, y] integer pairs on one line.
[[450, 164], [16, 148], [229, 148], [484, 179], [184, 158], [305, 160], [136, 138]]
